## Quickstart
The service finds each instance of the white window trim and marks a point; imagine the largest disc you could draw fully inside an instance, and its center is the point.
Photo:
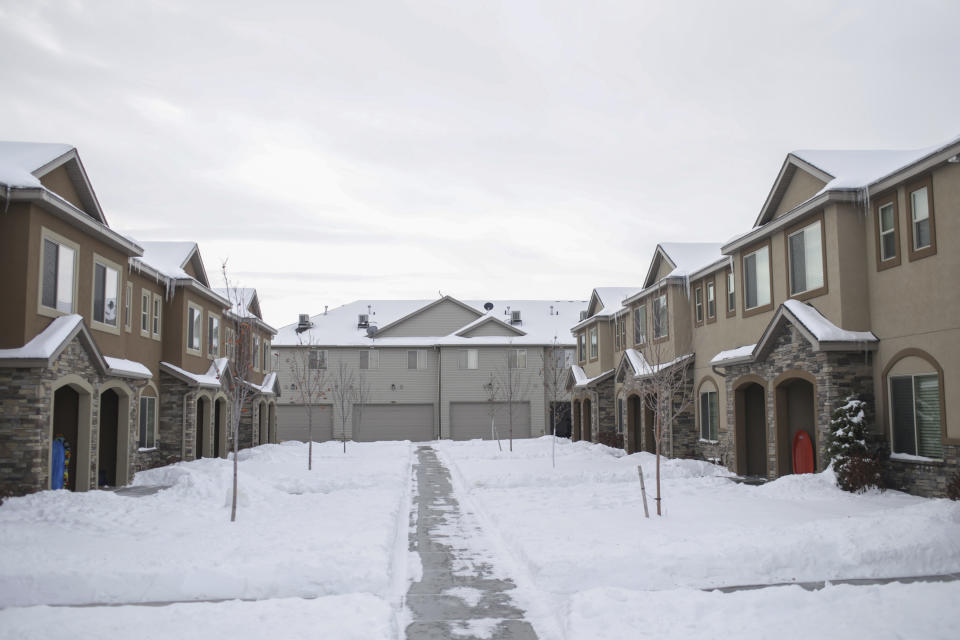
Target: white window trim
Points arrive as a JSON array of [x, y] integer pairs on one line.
[[156, 426], [516, 353], [199, 314], [698, 304], [321, 359], [710, 289], [892, 231], [109, 264], [145, 311], [217, 353], [156, 317], [731, 290], [255, 354], [913, 217], [666, 317], [128, 307], [46, 234], [746, 284], [463, 359], [702, 417], [593, 341], [643, 327]]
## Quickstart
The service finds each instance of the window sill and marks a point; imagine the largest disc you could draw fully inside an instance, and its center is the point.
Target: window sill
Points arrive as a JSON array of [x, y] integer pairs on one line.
[[146, 449], [705, 441], [912, 459], [104, 327]]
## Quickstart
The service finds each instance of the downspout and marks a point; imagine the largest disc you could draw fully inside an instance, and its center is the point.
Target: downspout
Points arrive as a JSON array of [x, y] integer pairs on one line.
[[439, 388], [713, 368]]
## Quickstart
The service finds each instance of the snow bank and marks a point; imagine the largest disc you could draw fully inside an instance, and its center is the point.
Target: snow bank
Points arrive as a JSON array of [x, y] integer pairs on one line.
[[298, 533], [919, 610], [349, 617], [581, 526]]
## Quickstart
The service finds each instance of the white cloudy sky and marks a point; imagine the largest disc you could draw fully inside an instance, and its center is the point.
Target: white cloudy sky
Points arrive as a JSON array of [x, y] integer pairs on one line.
[[341, 150]]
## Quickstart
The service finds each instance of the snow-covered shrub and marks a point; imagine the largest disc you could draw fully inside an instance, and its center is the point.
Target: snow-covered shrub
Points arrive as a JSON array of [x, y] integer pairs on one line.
[[856, 453], [953, 486]]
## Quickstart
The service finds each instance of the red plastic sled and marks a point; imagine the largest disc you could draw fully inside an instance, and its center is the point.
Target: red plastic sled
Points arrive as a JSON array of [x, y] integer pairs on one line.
[[802, 453]]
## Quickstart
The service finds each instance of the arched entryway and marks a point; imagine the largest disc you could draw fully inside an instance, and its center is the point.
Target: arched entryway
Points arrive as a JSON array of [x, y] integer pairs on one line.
[[751, 428], [113, 437], [576, 420], [587, 420], [220, 428], [70, 432], [262, 423], [796, 412], [202, 446]]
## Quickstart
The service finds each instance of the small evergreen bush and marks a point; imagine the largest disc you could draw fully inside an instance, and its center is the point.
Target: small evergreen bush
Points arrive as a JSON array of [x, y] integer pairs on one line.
[[857, 454]]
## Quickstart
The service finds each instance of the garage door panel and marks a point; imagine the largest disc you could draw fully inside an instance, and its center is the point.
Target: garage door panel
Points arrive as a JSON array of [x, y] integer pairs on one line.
[[292, 423], [471, 420], [375, 422]]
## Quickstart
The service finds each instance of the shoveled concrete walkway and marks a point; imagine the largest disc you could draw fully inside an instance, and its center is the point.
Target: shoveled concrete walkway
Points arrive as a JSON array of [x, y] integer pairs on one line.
[[459, 595]]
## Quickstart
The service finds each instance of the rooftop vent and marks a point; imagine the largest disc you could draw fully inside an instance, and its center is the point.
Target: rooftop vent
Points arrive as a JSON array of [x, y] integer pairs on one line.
[[303, 323], [583, 316], [515, 317], [363, 321]]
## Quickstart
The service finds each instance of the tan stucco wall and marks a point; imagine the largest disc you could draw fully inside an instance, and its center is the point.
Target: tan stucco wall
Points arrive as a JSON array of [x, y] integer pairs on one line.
[[60, 183], [15, 248], [801, 187]]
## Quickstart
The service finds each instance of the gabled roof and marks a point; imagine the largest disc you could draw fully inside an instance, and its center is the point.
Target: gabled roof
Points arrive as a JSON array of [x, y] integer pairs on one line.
[[483, 320], [243, 300], [171, 258], [419, 310], [207, 380], [576, 378], [47, 345], [684, 258], [22, 164], [636, 364], [543, 322], [844, 170]]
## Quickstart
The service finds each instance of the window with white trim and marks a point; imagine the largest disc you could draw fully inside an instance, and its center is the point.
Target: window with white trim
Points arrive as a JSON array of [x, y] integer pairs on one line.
[[806, 259], [915, 415], [517, 358], [145, 313], [709, 415], [756, 278], [148, 422], [661, 328], [106, 293], [157, 315], [469, 359], [920, 218], [255, 353], [711, 300], [731, 293], [369, 359], [698, 304], [317, 359], [416, 359], [640, 324], [594, 345], [194, 328], [213, 336], [59, 275], [581, 347]]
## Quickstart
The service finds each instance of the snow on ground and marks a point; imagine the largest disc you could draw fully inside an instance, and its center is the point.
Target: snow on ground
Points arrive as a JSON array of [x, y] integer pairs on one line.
[[330, 531], [580, 527], [347, 617]]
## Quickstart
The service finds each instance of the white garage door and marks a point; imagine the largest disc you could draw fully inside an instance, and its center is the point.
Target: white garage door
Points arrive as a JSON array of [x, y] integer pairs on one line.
[[292, 422], [393, 422], [471, 420]]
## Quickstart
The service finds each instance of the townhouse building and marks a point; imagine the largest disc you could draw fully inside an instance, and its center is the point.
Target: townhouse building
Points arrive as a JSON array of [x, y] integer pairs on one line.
[[429, 369], [843, 286], [111, 350]]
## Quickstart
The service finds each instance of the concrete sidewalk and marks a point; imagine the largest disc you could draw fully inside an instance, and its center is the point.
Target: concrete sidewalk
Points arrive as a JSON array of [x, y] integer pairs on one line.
[[458, 596]]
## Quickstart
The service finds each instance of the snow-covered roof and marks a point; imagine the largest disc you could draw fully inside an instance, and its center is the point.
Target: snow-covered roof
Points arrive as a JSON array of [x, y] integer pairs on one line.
[[543, 322], [20, 160], [612, 298], [268, 386], [168, 258], [855, 169], [240, 299], [580, 378], [689, 257], [127, 368], [740, 353], [821, 328], [201, 380], [47, 343], [642, 368]]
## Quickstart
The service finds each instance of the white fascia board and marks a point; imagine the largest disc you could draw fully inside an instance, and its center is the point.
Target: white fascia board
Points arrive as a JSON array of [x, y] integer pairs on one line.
[[921, 166], [716, 266], [789, 218]]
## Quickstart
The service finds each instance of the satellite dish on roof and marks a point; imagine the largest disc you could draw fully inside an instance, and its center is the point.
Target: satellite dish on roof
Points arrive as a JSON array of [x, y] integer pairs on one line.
[[488, 306], [371, 330]]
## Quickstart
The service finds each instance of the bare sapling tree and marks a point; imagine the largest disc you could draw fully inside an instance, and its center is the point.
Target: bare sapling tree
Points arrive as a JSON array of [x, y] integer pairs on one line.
[[665, 388], [308, 368], [554, 386], [240, 355], [361, 397], [514, 385], [492, 389], [344, 391]]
